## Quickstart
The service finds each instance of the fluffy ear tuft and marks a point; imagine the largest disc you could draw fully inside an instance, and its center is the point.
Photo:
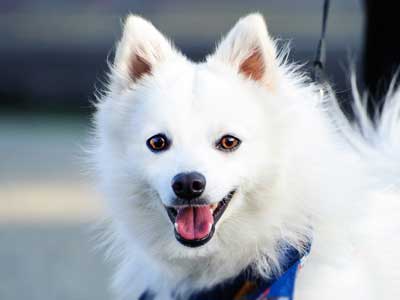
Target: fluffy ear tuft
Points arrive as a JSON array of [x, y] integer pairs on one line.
[[249, 49], [140, 49]]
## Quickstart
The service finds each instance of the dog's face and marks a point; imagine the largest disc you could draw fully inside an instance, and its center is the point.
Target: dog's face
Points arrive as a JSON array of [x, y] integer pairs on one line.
[[187, 142], [197, 144]]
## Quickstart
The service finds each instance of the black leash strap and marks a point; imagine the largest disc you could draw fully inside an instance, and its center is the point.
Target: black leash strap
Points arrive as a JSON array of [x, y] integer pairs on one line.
[[319, 62]]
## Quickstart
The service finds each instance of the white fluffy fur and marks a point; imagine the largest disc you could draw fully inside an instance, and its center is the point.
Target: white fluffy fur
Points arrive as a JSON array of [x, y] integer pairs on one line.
[[301, 173]]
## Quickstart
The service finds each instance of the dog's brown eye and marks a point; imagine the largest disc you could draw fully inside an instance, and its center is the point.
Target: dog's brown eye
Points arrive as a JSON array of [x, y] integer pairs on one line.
[[158, 142], [228, 143]]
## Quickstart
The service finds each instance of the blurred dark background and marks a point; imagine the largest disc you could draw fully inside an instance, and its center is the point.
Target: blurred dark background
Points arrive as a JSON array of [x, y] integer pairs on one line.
[[52, 60], [53, 53]]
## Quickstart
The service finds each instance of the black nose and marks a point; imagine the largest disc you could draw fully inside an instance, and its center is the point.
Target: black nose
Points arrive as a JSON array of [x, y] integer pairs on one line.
[[189, 185]]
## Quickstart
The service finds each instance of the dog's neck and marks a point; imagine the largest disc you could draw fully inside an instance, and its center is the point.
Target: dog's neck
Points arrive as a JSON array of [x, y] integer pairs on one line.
[[249, 282]]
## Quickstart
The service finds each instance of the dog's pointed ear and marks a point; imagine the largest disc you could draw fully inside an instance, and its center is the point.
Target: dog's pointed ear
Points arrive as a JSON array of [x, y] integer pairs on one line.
[[249, 49], [141, 48]]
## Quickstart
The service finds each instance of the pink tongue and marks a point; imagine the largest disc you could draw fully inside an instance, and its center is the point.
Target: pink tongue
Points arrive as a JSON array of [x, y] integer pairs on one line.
[[194, 223]]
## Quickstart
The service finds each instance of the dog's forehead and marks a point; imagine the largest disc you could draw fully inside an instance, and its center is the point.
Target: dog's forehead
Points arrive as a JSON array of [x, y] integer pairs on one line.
[[198, 88], [199, 99]]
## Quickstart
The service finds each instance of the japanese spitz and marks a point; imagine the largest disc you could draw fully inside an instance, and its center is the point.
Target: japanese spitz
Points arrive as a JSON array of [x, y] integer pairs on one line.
[[207, 168]]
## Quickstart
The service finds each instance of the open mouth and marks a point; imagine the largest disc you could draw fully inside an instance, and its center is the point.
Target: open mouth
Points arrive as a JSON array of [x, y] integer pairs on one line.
[[195, 224]]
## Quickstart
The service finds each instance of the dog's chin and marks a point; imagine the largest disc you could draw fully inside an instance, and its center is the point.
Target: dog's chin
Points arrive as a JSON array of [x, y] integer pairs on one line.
[[194, 225]]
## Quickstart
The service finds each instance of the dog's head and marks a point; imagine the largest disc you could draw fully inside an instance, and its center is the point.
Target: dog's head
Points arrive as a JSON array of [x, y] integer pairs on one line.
[[183, 145]]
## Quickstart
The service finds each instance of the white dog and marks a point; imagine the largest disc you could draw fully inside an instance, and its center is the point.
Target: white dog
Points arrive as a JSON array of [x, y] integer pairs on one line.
[[212, 168]]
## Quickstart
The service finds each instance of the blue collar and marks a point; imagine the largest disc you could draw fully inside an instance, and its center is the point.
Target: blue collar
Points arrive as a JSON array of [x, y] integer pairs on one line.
[[249, 285]]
